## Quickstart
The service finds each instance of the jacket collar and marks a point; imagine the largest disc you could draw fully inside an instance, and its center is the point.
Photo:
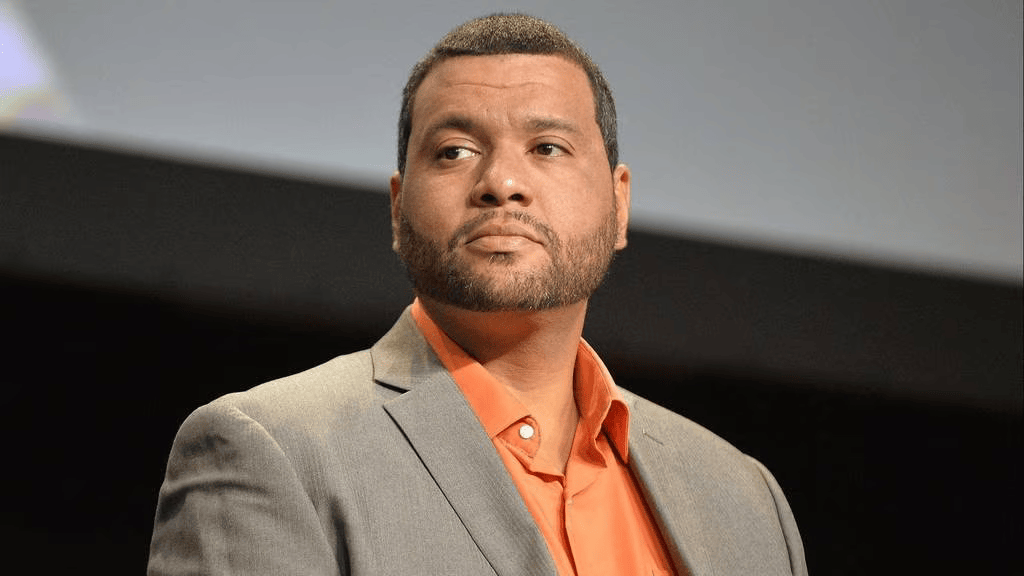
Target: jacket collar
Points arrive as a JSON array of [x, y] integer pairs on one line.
[[445, 433]]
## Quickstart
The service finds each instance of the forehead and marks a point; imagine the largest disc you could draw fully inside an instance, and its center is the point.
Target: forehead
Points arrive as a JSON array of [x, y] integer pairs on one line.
[[505, 83]]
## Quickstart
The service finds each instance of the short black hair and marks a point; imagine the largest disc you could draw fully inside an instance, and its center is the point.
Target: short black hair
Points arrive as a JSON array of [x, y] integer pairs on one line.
[[505, 33]]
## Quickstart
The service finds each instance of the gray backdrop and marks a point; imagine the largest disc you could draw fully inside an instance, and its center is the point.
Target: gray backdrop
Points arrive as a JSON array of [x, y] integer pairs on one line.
[[885, 130]]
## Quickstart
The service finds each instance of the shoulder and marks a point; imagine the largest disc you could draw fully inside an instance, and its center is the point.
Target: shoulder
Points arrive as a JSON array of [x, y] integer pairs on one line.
[[341, 380], [703, 453], [329, 395], [673, 428]]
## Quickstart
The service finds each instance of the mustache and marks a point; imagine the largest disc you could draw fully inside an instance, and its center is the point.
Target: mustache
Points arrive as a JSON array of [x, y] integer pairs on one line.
[[472, 224]]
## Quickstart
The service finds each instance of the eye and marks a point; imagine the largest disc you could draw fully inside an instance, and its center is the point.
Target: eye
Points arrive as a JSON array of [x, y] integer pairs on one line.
[[455, 153], [549, 149]]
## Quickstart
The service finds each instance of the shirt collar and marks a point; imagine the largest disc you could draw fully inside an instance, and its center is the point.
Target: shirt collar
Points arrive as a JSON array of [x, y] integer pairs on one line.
[[599, 401]]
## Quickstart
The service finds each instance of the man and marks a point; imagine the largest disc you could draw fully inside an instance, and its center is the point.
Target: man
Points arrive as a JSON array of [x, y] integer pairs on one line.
[[481, 435]]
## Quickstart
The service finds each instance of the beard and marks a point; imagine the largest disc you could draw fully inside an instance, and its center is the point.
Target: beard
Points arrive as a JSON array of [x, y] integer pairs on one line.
[[576, 269]]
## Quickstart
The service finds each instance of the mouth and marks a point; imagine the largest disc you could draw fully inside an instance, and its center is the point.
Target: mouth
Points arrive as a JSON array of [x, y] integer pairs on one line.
[[506, 230]]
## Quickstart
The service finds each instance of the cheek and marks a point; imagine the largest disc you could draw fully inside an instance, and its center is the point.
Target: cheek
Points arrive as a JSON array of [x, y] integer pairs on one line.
[[583, 204], [429, 216]]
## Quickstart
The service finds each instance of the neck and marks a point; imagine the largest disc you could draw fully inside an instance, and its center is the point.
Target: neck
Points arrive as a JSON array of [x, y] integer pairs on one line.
[[523, 349]]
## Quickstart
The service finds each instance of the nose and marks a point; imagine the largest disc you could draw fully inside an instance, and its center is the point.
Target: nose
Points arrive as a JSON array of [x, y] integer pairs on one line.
[[503, 179]]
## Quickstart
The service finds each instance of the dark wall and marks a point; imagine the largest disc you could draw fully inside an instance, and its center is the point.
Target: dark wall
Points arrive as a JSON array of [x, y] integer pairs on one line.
[[135, 288]]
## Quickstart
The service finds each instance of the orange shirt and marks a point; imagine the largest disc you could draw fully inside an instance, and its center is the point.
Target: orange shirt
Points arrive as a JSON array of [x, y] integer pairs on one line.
[[593, 517]]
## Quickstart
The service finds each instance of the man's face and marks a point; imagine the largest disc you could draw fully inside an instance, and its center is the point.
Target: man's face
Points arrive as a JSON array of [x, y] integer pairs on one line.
[[507, 201]]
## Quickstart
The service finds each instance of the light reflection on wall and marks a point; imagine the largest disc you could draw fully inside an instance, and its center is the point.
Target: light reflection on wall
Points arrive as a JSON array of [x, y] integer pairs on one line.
[[28, 93]]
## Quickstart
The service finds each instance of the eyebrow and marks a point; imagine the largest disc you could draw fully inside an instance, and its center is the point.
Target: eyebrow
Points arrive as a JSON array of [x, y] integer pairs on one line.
[[453, 122], [466, 124], [542, 123]]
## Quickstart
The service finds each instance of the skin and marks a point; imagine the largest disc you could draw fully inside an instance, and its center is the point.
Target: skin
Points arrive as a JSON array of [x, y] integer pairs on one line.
[[506, 168]]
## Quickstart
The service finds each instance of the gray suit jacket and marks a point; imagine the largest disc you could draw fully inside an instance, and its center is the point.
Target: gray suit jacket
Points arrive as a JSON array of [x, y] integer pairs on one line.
[[373, 463]]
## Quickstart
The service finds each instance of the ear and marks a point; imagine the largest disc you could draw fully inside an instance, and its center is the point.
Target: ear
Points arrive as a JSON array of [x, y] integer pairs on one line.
[[620, 180], [396, 208]]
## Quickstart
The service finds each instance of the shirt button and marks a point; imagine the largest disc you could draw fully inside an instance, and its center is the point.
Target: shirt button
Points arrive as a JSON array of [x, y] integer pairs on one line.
[[526, 431]]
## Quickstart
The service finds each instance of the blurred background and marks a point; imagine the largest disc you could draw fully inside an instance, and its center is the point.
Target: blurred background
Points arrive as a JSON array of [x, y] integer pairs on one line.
[[825, 266]]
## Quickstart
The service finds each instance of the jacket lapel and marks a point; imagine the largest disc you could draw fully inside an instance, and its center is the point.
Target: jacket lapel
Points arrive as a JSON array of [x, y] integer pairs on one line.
[[445, 433], [663, 479]]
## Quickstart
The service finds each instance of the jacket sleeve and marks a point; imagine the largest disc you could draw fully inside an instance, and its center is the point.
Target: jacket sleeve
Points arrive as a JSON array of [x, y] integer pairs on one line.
[[786, 522], [232, 503]]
